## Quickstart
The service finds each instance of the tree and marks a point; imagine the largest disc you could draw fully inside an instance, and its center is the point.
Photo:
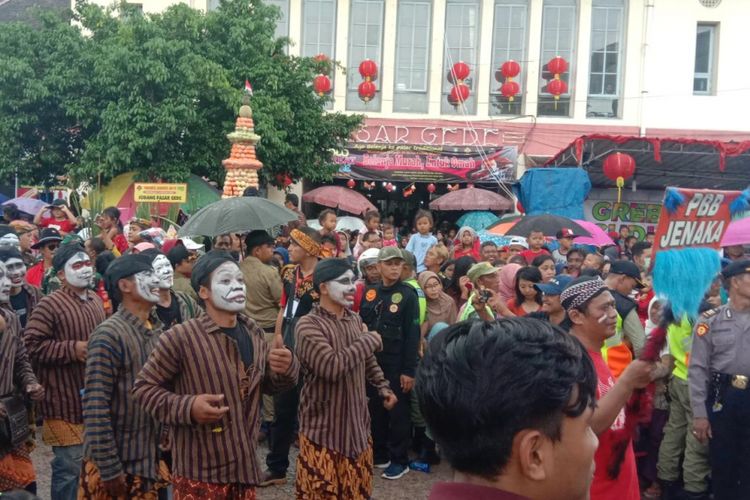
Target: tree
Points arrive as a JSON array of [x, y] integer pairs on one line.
[[158, 93]]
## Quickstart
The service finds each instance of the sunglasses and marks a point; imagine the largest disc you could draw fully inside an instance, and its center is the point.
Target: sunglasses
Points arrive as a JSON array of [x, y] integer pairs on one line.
[[52, 246]]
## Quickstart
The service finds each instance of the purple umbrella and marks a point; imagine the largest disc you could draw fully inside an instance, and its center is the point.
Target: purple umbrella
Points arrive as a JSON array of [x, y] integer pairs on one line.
[[598, 237], [738, 233], [29, 205]]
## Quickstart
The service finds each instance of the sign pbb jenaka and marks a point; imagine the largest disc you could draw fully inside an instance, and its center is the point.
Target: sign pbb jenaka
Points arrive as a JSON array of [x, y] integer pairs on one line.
[[157, 192], [700, 221]]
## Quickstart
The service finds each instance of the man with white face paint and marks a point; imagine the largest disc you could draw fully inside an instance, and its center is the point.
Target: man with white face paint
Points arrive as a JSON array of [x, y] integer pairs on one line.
[[206, 375], [56, 336], [338, 355], [121, 456], [173, 307], [23, 297]]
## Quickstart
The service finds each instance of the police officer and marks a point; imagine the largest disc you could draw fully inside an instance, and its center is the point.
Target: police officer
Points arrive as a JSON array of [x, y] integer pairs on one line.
[[391, 309], [719, 390]]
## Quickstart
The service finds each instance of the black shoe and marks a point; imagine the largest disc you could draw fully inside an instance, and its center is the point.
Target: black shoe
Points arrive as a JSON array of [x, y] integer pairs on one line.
[[670, 490], [418, 441], [271, 478]]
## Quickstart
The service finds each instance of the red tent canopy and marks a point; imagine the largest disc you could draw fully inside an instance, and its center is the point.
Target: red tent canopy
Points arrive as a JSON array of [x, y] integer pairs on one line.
[[661, 162]]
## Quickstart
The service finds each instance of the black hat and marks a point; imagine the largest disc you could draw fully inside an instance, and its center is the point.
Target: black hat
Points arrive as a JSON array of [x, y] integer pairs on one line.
[[206, 265], [48, 235], [257, 238], [58, 203], [177, 255], [329, 269], [7, 253], [125, 267], [65, 253], [736, 268], [627, 268]]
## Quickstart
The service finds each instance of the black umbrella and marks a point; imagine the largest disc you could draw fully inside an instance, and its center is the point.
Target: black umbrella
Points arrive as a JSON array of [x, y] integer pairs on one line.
[[237, 215], [548, 224]]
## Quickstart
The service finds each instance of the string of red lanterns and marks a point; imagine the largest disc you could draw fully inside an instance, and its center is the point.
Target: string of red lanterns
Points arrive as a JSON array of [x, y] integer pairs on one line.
[[369, 71], [557, 87], [460, 91], [510, 69]]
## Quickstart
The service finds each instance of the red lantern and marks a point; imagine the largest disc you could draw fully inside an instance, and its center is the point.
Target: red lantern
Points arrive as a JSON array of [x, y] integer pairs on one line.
[[510, 89], [431, 188], [368, 69], [350, 183], [557, 66], [510, 69], [618, 167], [367, 90], [557, 88], [320, 58], [460, 72], [459, 94], [322, 84]]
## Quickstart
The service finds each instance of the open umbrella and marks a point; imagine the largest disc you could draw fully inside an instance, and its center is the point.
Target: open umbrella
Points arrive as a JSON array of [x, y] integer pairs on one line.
[[30, 206], [339, 197], [547, 223], [471, 198], [503, 225], [237, 215], [598, 237], [345, 223], [477, 220], [498, 240], [738, 233]]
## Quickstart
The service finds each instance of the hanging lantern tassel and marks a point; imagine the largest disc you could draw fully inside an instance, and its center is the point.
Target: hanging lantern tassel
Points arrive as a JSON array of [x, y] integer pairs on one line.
[[620, 183]]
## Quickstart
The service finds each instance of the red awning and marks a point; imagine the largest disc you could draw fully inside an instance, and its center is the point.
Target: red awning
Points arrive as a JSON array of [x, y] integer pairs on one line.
[[661, 162]]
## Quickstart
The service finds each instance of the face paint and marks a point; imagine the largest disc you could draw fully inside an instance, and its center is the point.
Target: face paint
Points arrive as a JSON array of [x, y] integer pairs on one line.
[[78, 271], [16, 270], [10, 240], [164, 271], [147, 285], [228, 288], [342, 289], [4, 284]]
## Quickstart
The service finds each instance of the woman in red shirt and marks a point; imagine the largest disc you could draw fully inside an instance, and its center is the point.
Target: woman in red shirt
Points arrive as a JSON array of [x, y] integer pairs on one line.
[[527, 299], [111, 230]]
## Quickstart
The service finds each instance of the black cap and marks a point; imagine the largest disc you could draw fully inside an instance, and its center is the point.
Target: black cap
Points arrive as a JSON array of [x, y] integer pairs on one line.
[[257, 238], [125, 267], [58, 203], [627, 268], [48, 235], [736, 268]]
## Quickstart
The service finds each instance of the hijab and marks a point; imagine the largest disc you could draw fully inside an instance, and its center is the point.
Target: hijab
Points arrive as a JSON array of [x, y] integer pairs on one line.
[[441, 309], [507, 282]]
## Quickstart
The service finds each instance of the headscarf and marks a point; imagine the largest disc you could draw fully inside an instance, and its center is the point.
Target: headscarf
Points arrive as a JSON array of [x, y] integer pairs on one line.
[[284, 254], [580, 291], [458, 249], [308, 244], [441, 309], [506, 288]]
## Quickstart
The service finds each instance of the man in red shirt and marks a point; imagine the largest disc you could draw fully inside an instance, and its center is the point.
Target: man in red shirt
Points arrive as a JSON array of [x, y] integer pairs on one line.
[[593, 316], [511, 429], [536, 242], [48, 243], [61, 219]]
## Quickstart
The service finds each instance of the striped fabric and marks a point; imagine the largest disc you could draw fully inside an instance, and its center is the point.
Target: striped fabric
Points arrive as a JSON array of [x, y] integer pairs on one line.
[[337, 361], [57, 323], [194, 358], [119, 436], [15, 366]]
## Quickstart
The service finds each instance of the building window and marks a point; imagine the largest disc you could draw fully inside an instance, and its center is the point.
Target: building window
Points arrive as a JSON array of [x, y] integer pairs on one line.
[[282, 23], [410, 94], [508, 42], [365, 42], [558, 39], [319, 32], [605, 82], [705, 59], [462, 31]]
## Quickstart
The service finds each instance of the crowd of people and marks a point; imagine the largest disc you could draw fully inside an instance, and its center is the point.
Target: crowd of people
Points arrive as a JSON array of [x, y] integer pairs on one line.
[[155, 366]]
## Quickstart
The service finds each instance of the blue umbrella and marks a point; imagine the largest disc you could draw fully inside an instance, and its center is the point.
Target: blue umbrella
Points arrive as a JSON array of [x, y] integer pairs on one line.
[[477, 220], [498, 240]]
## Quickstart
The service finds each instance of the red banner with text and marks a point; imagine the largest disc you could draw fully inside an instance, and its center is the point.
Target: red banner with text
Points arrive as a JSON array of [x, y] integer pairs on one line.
[[699, 221]]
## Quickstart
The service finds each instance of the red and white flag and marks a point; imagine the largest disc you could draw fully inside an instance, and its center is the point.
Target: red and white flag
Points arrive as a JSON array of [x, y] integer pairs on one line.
[[248, 88]]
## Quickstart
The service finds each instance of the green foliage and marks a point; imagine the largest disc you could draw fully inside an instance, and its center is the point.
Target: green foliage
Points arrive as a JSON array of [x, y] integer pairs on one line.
[[157, 94]]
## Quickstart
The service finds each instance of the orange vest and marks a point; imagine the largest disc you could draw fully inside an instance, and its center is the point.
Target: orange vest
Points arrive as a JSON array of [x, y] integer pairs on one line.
[[616, 353]]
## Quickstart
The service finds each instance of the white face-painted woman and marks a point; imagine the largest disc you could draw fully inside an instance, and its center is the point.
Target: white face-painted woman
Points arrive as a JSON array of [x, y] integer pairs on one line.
[[5, 284], [228, 288], [16, 270], [147, 285], [342, 289], [164, 271], [78, 271]]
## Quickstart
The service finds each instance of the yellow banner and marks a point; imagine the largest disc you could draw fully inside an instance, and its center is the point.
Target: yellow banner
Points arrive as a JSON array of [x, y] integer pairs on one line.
[[161, 193]]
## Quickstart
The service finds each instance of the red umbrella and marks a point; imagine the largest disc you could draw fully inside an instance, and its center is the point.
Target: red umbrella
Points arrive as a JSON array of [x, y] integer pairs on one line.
[[471, 198], [340, 197]]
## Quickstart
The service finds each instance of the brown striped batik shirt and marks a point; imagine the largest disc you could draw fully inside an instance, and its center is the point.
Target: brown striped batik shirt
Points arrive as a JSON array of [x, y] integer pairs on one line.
[[119, 436], [57, 323], [337, 360], [15, 367], [194, 358]]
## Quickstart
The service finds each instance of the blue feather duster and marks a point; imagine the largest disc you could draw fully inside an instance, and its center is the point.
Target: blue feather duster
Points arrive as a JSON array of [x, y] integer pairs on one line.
[[741, 203], [673, 199], [684, 276]]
